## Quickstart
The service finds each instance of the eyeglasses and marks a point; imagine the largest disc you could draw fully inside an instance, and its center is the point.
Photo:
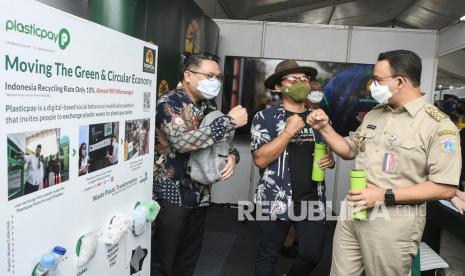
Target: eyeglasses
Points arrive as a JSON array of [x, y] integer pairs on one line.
[[210, 76], [293, 79], [376, 80]]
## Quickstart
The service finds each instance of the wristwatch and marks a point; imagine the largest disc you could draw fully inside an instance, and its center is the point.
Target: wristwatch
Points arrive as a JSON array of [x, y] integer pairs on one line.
[[389, 197]]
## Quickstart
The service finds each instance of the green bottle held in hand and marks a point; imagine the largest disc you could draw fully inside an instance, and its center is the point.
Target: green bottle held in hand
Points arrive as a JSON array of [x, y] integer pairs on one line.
[[358, 181], [318, 174]]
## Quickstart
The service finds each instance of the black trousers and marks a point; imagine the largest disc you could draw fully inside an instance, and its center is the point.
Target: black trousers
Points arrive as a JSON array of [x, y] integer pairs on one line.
[[177, 240], [311, 236], [29, 188]]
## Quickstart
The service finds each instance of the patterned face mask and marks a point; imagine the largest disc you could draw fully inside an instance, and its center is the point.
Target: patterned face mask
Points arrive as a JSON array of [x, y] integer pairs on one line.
[[298, 92]]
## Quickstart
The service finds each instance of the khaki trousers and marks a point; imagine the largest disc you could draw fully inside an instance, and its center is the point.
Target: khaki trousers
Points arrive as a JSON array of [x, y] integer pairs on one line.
[[383, 245]]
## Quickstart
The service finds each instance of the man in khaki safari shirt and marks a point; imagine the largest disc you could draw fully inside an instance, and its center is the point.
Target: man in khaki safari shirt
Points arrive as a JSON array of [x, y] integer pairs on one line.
[[411, 154]]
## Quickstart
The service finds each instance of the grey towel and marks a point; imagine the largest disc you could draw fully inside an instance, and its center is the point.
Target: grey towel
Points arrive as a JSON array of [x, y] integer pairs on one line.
[[206, 164]]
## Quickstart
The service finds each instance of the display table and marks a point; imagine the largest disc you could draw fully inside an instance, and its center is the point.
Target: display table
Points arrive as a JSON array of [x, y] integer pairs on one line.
[[447, 234], [447, 218]]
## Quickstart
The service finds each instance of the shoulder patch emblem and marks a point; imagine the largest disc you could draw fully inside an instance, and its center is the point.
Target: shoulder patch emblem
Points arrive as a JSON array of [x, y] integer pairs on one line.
[[448, 145], [447, 132], [435, 113]]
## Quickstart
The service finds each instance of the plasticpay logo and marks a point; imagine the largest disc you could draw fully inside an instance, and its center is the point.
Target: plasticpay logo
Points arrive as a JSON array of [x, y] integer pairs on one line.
[[63, 38]]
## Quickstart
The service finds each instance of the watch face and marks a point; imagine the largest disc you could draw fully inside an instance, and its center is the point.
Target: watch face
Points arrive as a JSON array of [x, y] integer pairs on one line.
[[389, 197]]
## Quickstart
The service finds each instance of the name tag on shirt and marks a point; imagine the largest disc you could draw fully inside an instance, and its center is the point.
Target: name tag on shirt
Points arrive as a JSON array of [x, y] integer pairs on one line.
[[390, 162]]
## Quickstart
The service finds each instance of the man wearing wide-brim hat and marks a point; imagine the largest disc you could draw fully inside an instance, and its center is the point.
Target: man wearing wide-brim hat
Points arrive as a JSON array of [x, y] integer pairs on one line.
[[289, 66], [282, 145]]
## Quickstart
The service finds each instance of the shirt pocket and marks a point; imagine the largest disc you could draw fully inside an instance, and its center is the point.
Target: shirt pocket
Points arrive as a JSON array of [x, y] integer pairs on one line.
[[366, 141], [406, 151]]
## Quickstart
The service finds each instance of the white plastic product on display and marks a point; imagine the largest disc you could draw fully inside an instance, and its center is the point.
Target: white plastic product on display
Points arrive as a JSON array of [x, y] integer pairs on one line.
[[86, 248], [143, 213]]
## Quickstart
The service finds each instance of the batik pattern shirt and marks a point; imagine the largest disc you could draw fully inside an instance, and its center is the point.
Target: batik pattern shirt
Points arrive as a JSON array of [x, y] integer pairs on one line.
[[177, 135]]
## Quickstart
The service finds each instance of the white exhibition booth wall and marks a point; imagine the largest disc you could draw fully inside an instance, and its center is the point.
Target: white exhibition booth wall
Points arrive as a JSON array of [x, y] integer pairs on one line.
[[451, 39], [451, 56], [314, 43]]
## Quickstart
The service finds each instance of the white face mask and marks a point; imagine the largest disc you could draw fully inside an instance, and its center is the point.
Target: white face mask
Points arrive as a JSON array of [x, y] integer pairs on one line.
[[381, 93], [209, 88], [315, 96]]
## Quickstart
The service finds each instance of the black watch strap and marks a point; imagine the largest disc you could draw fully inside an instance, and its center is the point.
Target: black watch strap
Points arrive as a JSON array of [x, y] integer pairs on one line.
[[389, 197]]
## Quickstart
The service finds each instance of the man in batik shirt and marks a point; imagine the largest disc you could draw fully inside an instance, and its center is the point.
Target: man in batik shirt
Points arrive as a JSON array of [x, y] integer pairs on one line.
[[179, 226]]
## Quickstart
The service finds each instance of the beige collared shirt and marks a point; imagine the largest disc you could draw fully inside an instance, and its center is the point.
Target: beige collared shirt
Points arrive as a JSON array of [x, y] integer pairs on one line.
[[420, 142]]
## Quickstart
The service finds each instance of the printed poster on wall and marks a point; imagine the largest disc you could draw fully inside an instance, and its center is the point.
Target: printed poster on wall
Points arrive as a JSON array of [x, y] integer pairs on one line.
[[76, 145]]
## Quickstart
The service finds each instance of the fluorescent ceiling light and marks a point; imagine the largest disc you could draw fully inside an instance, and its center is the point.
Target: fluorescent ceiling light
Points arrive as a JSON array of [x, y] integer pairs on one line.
[[462, 18]]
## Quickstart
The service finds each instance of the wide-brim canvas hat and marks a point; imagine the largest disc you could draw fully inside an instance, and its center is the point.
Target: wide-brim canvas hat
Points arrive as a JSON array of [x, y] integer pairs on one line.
[[285, 67]]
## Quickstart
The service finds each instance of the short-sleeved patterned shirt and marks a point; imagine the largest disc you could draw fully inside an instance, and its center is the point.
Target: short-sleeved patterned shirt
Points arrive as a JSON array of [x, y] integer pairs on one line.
[[274, 189]]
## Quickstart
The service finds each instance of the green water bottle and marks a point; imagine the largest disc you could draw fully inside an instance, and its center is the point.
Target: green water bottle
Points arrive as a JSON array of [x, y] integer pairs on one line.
[[358, 181], [318, 174]]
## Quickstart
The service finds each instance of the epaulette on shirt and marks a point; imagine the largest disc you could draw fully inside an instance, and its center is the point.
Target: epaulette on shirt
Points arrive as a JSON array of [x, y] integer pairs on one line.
[[378, 106], [434, 112]]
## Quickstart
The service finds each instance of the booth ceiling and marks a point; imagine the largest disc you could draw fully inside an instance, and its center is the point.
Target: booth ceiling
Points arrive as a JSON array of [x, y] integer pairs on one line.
[[412, 14]]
